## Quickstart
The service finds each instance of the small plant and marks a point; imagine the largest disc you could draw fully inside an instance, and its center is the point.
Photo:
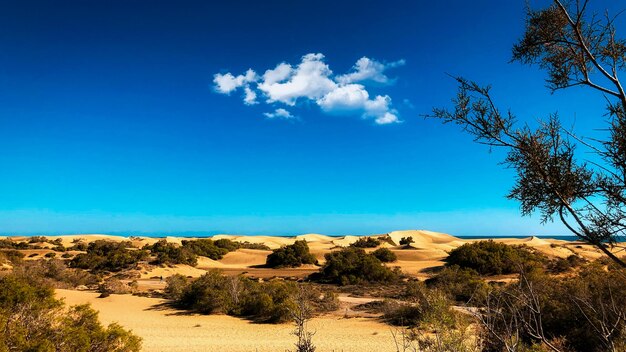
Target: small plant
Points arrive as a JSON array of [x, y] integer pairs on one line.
[[385, 255], [291, 256], [50, 255], [406, 241], [366, 242]]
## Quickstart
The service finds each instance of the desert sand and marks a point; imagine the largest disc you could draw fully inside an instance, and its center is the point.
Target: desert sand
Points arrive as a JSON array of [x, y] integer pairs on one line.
[[165, 329]]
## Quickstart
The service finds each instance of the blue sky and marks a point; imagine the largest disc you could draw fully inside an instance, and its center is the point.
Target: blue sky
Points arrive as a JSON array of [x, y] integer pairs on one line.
[[112, 120]]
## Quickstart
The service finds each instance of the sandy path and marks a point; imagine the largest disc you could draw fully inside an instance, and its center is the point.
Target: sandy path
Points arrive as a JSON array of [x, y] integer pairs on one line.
[[164, 329]]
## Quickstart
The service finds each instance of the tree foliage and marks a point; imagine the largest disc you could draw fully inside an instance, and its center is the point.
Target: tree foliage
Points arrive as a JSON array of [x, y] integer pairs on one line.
[[354, 266], [33, 320], [291, 256], [366, 242], [105, 255], [575, 48], [494, 258]]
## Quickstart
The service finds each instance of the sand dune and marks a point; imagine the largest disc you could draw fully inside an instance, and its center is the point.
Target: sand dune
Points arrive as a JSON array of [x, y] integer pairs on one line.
[[164, 329], [428, 250]]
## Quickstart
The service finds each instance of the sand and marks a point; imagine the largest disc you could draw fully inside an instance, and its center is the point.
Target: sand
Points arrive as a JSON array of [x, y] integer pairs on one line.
[[427, 252], [164, 329]]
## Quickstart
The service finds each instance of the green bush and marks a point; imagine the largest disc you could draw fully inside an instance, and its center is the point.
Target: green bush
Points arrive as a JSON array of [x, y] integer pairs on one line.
[[33, 320], [206, 294], [105, 255], [425, 308], [354, 266], [366, 242], [227, 244], [572, 308], [264, 302], [291, 256], [248, 245], [12, 256], [169, 253], [50, 255], [406, 241], [55, 273], [561, 265], [205, 248], [6, 243], [462, 284], [494, 258], [385, 255], [38, 239]]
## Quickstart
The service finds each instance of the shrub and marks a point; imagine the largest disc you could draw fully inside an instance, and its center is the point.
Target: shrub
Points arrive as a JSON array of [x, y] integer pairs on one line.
[[366, 242], [105, 255], [50, 255], [113, 285], [265, 302], [291, 256], [569, 308], [12, 256], [66, 255], [269, 302], [55, 273], [385, 255], [79, 246], [33, 320], [493, 258], [462, 284], [354, 266], [406, 241], [169, 253], [560, 265], [248, 245], [427, 307], [9, 244], [176, 286], [227, 244], [38, 239], [205, 248], [206, 294]]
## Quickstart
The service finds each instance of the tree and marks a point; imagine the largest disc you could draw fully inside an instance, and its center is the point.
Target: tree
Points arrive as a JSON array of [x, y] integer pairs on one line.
[[575, 48]]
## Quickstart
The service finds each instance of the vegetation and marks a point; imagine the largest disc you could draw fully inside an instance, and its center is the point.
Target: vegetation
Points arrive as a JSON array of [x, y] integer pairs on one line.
[[575, 48], [354, 266], [366, 242], [12, 256], [105, 255], [267, 302], [494, 258], [54, 273], [460, 284], [291, 256], [579, 313], [385, 255], [170, 253], [33, 320], [6, 243], [406, 241]]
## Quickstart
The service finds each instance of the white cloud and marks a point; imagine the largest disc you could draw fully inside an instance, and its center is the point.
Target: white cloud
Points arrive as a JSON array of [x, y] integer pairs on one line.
[[227, 83], [353, 98], [280, 113], [367, 69], [312, 80], [249, 97]]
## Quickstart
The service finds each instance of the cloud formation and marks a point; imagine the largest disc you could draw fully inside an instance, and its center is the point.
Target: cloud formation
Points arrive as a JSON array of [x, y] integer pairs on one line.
[[312, 80], [279, 113]]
